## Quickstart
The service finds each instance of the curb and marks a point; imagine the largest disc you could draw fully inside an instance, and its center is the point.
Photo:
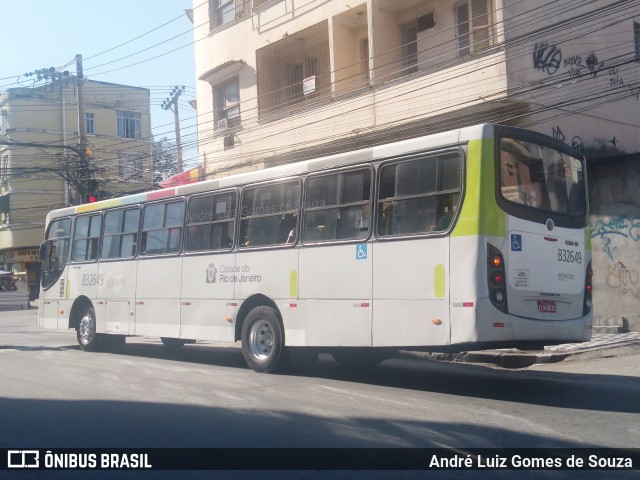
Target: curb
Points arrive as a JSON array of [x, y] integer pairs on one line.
[[514, 359]]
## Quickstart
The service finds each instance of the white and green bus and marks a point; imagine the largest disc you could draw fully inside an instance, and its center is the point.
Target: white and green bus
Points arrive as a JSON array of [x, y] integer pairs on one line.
[[455, 241]]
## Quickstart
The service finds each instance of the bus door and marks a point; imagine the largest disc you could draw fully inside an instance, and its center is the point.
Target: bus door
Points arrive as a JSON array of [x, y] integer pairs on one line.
[[83, 277], [417, 203], [158, 286], [116, 295], [118, 270], [209, 270], [336, 263]]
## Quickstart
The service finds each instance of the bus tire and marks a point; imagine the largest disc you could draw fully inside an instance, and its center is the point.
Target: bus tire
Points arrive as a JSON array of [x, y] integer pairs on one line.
[[263, 341], [86, 331]]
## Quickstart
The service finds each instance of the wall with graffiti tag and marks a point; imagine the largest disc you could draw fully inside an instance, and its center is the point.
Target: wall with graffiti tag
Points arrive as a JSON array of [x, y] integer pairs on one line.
[[615, 239]]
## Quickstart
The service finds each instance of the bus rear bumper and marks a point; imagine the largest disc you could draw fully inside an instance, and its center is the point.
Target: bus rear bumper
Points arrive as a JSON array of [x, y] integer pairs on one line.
[[495, 326]]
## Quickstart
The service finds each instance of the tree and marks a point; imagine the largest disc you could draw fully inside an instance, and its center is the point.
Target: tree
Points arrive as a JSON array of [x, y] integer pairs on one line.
[[165, 160]]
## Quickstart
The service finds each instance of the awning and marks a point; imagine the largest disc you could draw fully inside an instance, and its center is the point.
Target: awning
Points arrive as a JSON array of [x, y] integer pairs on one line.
[[222, 72], [184, 178]]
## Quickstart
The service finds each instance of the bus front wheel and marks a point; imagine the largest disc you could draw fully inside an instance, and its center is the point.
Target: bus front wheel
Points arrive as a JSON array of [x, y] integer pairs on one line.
[[86, 331], [263, 341]]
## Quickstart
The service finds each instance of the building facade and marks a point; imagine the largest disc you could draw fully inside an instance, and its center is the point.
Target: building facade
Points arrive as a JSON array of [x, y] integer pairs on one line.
[[35, 179], [282, 81]]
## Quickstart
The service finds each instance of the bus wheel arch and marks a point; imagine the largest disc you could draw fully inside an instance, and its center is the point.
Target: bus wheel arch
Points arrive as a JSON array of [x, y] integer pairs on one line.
[[83, 319], [249, 304], [261, 332], [77, 309]]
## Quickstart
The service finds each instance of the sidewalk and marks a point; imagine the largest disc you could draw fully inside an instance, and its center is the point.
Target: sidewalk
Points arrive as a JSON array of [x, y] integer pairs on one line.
[[514, 358]]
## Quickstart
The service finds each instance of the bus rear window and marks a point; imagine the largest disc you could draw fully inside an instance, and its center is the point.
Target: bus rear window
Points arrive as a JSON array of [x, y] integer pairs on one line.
[[541, 177]]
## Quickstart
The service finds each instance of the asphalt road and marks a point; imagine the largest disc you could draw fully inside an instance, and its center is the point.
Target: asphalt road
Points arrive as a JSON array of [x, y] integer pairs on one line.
[[53, 395]]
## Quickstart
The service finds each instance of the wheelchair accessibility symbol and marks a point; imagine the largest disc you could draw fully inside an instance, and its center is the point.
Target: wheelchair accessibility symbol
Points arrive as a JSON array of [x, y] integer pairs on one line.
[[516, 243], [361, 251]]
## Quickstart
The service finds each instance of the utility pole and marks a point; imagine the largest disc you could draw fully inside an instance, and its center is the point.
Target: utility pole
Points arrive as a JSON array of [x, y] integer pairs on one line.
[[172, 104], [87, 182], [92, 184], [82, 123]]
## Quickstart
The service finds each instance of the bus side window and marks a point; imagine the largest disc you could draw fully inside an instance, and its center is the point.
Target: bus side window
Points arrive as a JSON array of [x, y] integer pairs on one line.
[[269, 214], [337, 206], [211, 222], [162, 227], [86, 236], [417, 196]]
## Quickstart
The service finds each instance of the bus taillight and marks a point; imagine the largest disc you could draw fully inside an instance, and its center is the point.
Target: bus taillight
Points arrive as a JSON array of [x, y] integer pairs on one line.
[[588, 288], [496, 277]]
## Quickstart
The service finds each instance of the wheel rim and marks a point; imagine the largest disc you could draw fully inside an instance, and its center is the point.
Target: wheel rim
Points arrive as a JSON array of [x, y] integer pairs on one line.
[[261, 340], [86, 329]]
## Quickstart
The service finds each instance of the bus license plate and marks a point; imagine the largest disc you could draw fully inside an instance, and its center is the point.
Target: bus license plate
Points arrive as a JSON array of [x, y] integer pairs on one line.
[[547, 306]]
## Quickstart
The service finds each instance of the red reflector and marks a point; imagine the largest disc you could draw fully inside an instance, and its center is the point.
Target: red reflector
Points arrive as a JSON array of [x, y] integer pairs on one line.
[[588, 288], [498, 278], [293, 305], [364, 305], [467, 304], [498, 325], [550, 239]]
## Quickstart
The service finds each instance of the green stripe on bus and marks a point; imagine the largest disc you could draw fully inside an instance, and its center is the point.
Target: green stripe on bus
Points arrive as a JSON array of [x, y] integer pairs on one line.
[[439, 281], [293, 284], [480, 214]]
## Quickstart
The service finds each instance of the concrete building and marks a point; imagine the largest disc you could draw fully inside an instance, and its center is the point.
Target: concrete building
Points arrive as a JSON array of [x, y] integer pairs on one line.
[[32, 179], [281, 81]]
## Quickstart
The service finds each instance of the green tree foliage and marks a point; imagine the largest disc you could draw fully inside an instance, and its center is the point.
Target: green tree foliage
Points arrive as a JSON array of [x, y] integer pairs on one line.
[[165, 160]]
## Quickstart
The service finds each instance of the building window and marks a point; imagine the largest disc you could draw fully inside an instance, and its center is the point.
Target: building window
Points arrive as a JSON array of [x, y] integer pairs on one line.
[[294, 69], [224, 11], [410, 40], [636, 38], [130, 167], [473, 24], [227, 105], [128, 124], [89, 123]]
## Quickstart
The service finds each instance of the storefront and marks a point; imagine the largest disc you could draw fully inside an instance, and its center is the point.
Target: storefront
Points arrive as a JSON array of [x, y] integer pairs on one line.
[[24, 264]]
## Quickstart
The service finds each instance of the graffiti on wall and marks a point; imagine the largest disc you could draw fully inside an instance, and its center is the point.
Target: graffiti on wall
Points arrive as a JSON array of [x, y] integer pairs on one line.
[[598, 146], [617, 227], [578, 65], [615, 234], [547, 58], [620, 277]]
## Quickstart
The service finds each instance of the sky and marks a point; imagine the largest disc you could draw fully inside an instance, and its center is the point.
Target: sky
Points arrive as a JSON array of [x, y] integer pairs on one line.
[[142, 43]]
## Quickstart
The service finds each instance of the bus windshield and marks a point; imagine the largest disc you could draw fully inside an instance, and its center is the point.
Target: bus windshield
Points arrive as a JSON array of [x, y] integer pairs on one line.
[[541, 177]]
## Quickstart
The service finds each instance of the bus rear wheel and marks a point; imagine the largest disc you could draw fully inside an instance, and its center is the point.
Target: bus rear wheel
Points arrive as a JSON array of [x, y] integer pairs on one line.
[[86, 331], [263, 341]]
